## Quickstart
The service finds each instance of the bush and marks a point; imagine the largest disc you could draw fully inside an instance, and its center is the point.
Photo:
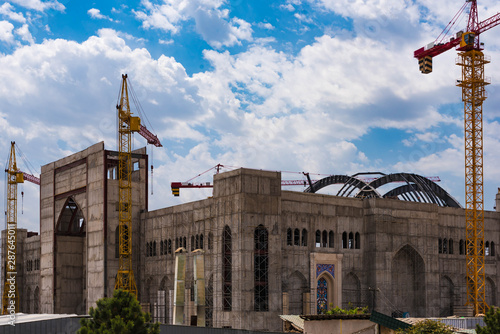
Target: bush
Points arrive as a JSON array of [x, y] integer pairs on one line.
[[492, 320], [120, 314], [351, 310], [427, 326]]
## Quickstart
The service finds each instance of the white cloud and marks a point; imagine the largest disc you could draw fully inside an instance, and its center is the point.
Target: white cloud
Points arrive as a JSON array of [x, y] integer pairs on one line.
[[96, 14], [40, 5], [25, 34], [166, 41], [211, 22], [7, 10], [265, 25], [6, 32]]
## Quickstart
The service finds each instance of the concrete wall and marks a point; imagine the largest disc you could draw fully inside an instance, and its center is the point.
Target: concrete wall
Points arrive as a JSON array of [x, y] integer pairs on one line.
[[84, 178], [398, 243]]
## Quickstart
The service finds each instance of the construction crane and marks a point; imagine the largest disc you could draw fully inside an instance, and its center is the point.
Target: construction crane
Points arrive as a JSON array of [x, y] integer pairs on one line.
[[473, 82], [10, 299], [127, 124]]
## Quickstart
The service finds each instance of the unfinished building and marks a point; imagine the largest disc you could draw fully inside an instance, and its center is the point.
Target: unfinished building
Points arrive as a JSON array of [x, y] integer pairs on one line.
[[266, 251]]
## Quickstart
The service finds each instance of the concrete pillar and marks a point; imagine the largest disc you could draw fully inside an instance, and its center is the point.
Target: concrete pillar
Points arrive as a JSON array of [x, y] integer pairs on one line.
[[179, 287], [199, 286]]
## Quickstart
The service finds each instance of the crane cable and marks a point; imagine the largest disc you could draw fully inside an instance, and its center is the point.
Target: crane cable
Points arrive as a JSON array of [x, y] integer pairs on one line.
[[450, 25]]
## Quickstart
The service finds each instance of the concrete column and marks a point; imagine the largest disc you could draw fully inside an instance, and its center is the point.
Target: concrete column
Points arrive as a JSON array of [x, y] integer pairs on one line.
[[199, 286], [179, 287]]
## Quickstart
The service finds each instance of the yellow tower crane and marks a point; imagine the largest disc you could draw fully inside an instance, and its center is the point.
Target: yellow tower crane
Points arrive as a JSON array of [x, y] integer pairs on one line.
[[10, 300], [127, 124], [473, 83]]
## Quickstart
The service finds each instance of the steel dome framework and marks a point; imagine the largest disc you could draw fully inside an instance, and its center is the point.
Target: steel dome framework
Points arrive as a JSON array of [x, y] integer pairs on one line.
[[416, 188]]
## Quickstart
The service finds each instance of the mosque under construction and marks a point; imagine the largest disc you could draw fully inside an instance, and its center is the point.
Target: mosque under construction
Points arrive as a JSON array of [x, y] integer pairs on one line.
[[251, 251]]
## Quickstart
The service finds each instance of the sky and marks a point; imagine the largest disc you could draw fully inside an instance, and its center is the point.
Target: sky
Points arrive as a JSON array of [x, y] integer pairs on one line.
[[318, 86]]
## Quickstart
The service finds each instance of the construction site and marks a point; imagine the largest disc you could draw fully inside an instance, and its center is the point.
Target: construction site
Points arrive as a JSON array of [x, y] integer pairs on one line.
[[253, 252]]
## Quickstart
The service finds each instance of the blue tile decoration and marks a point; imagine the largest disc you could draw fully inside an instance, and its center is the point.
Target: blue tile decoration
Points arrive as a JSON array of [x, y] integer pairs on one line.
[[320, 268]]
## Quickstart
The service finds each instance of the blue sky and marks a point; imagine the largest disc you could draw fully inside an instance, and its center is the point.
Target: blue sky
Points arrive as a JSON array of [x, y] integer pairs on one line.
[[320, 86]]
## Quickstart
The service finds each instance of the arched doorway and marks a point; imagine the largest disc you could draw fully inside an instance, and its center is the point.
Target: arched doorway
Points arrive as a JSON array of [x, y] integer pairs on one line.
[[408, 282], [351, 291], [324, 293], [446, 291]]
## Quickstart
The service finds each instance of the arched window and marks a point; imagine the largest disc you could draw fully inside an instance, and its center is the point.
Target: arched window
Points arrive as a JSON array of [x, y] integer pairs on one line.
[[304, 237], [201, 241], [351, 240], [440, 246], [71, 221], [487, 248], [296, 237], [227, 261], [161, 247], [289, 237], [169, 246], [492, 249], [445, 246], [261, 269], [344, 240], [154, 248], [357, 241], [450, 246], [176, 243], [197, 242], [192, 243], [184, 243], [461, 247], [324, 240], [318, 238], [331, 239], [322, 296], [147, 249]]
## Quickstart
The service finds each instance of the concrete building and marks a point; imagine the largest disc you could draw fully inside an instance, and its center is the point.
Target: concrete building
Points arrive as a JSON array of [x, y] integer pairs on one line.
[[266, 251]]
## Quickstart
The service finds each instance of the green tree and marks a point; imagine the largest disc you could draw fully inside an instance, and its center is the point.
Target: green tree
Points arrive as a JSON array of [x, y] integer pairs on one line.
[[120, 314], [492, 320], [427, 326]]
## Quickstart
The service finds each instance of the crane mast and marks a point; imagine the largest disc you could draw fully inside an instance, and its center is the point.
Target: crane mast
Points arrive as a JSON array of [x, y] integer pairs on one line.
[[472, 60], [10, 300], [126, 125]]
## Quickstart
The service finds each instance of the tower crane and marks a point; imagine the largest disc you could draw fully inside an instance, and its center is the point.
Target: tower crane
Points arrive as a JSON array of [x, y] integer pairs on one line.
[[10, 299], [127, 124], [472, 60]]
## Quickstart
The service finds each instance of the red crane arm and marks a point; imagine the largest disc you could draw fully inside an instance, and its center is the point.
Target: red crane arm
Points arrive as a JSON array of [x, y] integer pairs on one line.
[[31, 178], [440, 48], [489, 23], [151, 138], [436, 49]]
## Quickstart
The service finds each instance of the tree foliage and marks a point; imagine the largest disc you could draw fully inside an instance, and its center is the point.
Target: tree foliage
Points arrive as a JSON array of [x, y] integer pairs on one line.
[[348, 311], [492, 321], [120, 314], [427, 326]]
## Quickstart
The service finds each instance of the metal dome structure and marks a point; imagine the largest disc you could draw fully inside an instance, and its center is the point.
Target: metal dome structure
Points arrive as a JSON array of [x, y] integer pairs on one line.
[[416, 188]]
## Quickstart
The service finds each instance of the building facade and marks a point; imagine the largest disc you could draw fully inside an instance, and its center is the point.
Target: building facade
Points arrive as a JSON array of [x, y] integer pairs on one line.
[[266, 251]]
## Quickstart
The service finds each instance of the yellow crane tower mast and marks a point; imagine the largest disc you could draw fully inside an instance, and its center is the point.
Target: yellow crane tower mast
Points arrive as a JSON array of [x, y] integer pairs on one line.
[[473, 82], [10, 300], [126, 125]]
